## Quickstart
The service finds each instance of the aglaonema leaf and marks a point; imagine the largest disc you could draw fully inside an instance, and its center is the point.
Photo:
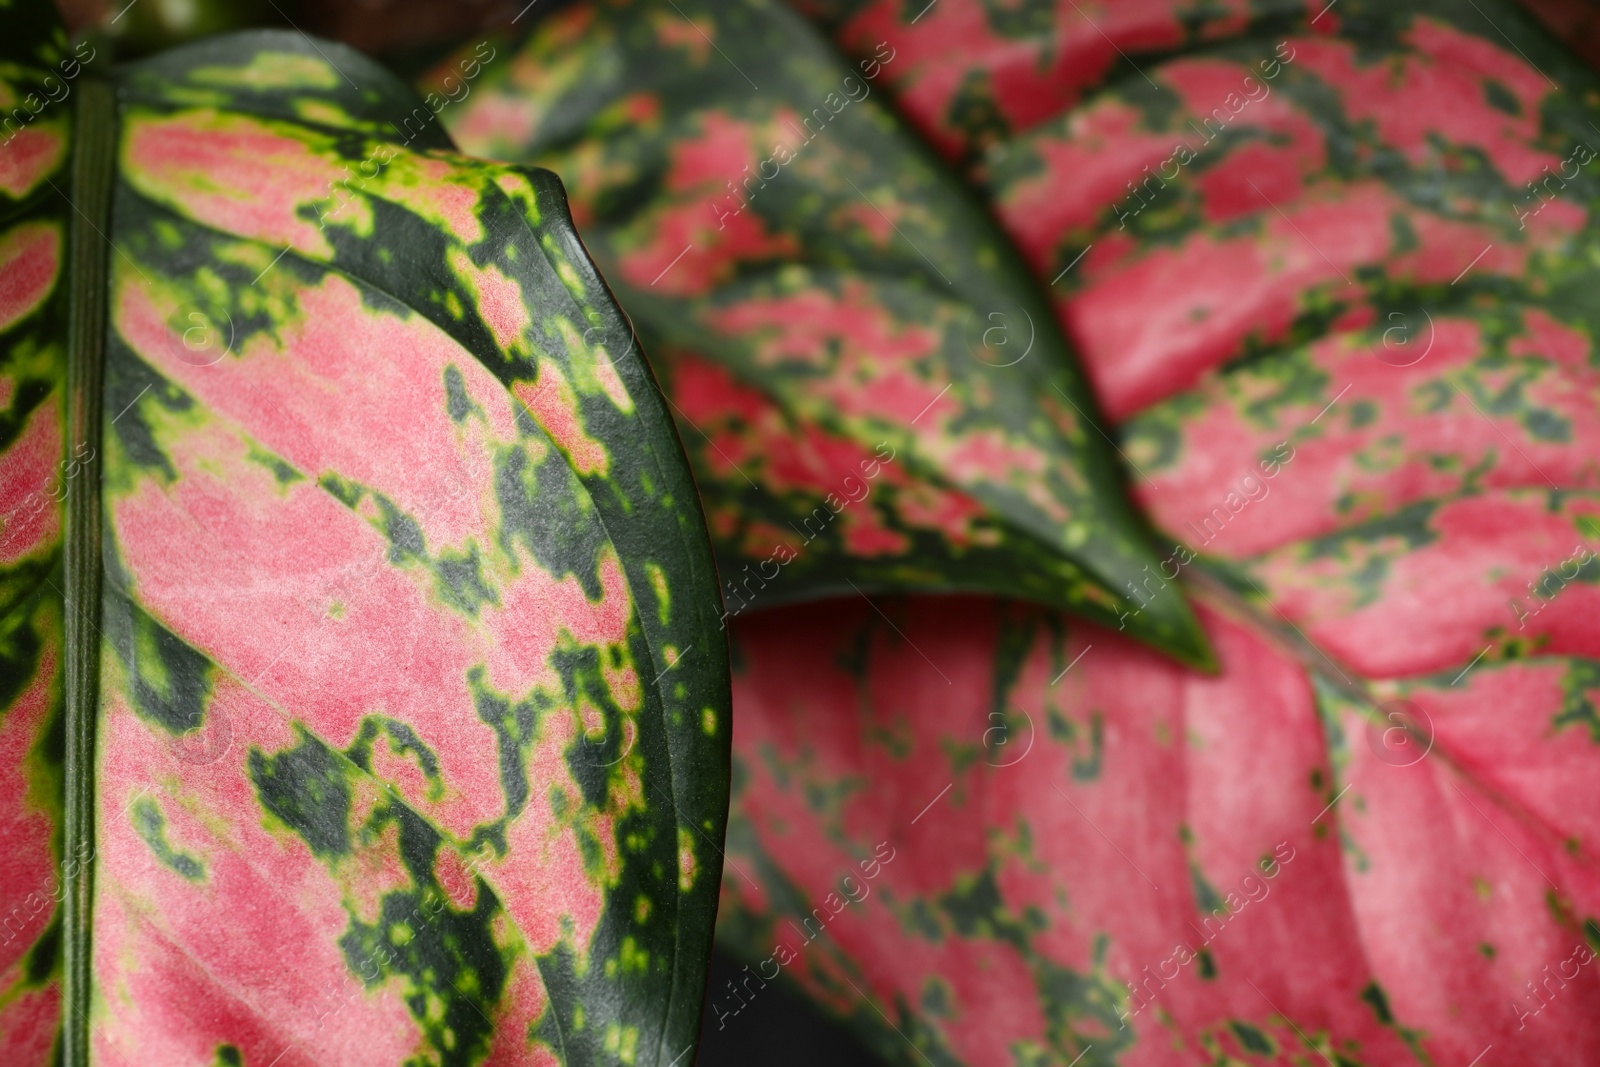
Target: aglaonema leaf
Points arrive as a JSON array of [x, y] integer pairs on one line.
[[364, 696], [872, 392], [1368, 840]]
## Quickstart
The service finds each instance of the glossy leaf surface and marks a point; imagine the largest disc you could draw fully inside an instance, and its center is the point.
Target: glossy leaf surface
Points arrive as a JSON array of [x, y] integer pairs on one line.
[[1352, 349], [872, 393], [411, 729]]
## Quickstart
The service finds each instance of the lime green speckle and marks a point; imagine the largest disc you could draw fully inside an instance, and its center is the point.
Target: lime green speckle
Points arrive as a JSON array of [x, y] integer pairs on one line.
[[466, 983], [191, 96], [622, 1042], [658, 583], [570, 278], [321, 111], [687, 867], [631, 960], [272, 70], [577, 1017], [708, 721], [452, 304], [641, 909], [167, 234]]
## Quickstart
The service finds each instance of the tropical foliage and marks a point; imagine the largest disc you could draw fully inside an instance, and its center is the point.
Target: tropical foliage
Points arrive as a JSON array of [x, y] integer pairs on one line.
[[1226, 369], [1331, 269], [364, 698]]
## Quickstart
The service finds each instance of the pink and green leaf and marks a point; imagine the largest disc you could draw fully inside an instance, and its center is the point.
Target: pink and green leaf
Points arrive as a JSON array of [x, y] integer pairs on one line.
[[1351, 350], [411, 727], [870, 387]]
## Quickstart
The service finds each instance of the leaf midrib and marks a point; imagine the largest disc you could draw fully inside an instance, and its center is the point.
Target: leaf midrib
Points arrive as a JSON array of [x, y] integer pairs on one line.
[[93, 162]]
